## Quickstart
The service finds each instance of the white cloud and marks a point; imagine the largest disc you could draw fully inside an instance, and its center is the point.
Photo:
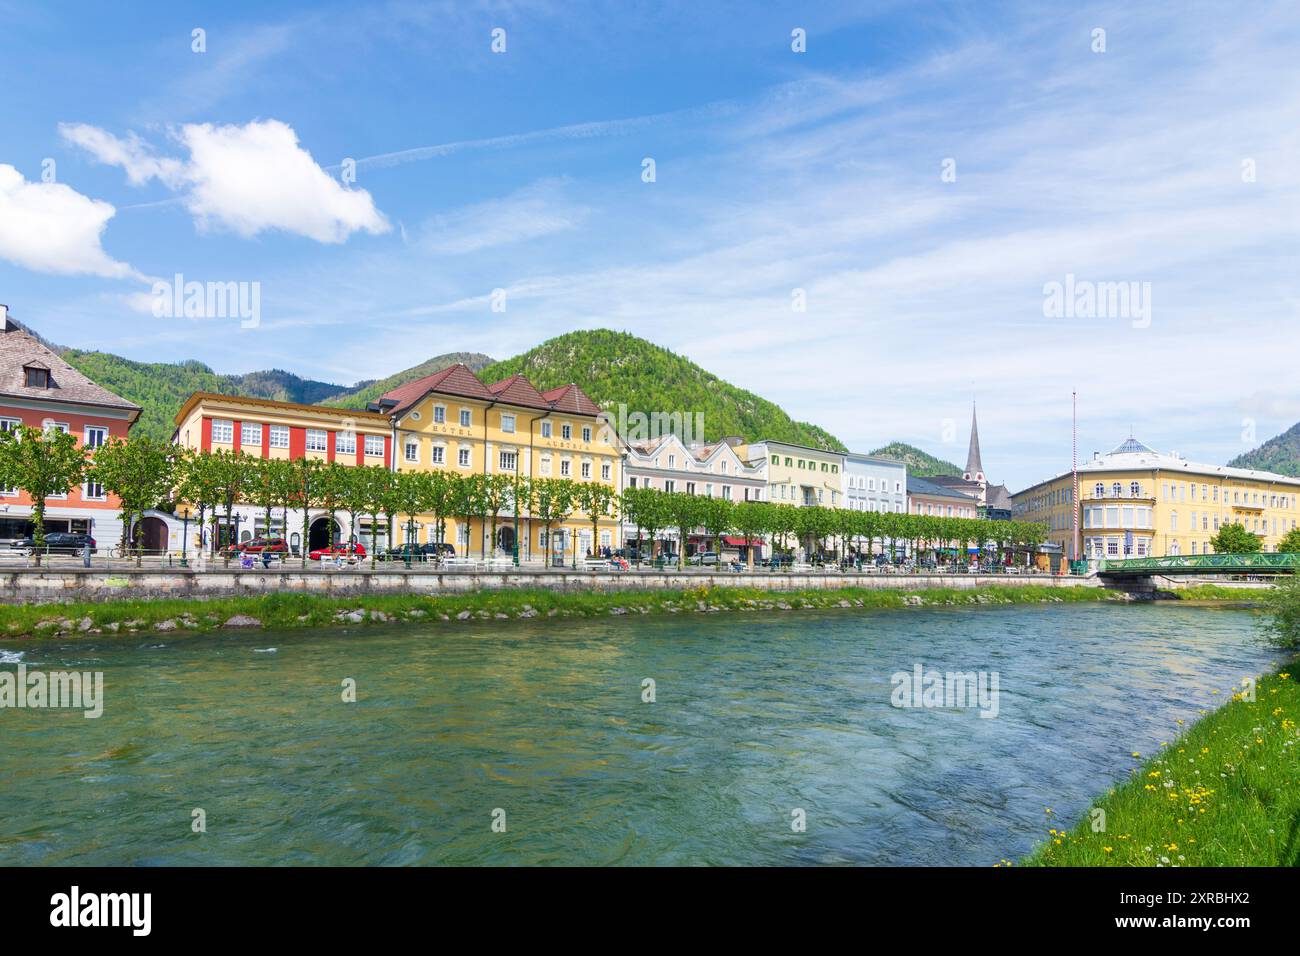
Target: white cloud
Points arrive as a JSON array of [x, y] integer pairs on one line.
[[50, 227], [529, 213], [246, 179]]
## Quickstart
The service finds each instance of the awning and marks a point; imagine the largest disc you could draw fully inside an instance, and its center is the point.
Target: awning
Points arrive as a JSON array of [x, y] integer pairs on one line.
[[742, 542]]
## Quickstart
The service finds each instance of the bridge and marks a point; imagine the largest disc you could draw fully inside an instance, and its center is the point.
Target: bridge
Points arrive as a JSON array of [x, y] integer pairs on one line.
[[1259, 562]]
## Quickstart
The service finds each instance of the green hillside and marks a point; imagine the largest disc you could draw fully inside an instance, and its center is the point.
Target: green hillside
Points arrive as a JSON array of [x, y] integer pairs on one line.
[[918, 462], [615, 367], [367, 392], [161, 388], [1280, 454]]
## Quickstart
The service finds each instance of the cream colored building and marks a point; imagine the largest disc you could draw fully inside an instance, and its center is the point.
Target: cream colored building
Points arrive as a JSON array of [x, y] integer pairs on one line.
[[1136, 502], [798, 475]]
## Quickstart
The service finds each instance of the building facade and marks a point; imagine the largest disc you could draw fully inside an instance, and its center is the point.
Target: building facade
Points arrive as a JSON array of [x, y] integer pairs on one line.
[[713, 470], [798, 475], [40, 390], [269, 429], [874, 484], [452, 421], [1136, 502], [924, 497]]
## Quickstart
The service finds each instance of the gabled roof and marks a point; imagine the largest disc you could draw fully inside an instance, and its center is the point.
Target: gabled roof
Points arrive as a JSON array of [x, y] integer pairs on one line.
[[569, 398], [20, 349], [517, 390], [453, 380]]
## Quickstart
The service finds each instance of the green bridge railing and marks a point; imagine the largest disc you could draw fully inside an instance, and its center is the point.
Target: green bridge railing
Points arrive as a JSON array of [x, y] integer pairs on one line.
[[1274, 562]]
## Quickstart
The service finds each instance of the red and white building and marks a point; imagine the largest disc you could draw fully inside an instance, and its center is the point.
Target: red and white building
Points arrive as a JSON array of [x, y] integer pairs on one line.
[[40, 390]]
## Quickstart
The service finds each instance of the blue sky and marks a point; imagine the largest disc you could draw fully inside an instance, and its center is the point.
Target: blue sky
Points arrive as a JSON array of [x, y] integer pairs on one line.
[[775, 171]]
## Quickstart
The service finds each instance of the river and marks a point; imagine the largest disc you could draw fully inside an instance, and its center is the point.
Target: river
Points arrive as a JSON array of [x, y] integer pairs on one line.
[[540, 727]]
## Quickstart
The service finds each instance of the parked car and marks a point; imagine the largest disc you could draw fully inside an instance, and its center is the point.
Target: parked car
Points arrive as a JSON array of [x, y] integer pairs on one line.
[[269, 545], [59, 542], [344, 548], [703, 558]]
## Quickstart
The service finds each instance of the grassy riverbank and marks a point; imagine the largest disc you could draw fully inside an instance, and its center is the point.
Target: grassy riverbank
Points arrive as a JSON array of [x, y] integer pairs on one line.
[[1224, 793], [292, 610]]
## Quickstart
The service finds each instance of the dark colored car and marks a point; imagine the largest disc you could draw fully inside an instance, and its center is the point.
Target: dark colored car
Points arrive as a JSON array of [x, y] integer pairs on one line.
[[418, 552], [60, 542], [272, 545]]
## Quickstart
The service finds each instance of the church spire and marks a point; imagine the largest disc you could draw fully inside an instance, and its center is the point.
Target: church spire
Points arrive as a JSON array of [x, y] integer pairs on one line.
[[974, 467]]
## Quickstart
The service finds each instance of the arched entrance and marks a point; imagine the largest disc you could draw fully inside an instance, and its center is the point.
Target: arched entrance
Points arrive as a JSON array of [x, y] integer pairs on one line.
[[506, 539], [322, 534], [151, 534]]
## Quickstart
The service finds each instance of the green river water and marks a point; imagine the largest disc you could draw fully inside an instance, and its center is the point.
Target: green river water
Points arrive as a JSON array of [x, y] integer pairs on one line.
[[756, 716]]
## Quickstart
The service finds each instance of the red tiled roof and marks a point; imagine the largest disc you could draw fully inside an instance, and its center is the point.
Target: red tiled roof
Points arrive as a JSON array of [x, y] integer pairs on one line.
[[517, 390], [455, 380], [571, 399]]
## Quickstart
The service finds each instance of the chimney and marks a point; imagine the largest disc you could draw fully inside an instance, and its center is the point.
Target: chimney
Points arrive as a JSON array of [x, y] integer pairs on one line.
[[4, 318]]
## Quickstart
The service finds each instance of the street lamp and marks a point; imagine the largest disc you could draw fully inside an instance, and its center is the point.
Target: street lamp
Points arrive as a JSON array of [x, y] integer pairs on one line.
[[185, 534]]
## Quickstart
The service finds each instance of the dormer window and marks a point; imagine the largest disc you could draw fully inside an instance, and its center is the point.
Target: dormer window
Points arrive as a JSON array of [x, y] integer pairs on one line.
[[36, 375]]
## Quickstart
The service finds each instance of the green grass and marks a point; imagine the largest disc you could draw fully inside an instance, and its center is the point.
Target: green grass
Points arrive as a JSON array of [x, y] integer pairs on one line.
[[1224, 793], [293, 610]]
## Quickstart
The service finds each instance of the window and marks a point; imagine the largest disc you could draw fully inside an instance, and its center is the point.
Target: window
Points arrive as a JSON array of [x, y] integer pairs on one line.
[[690, 487], [279, 436], [670, 486], [631, 482], [467, 418], [672, 461], [375, 446], [586, 470], [439, 414], [787, 462], [1099, 490], [223, 431], [508, 423], [726, 492], [604, 471], [250, 433], [566, 431], [412, 450], [509, 461], [1134, 490], [566, 468], [586, 433], [546, 465], [94, 437], [776, 460], [345, 443], [34, 376], [438, 455], [462, 457], [315, 439], [1116, 491], [92, 491], [546, 429]]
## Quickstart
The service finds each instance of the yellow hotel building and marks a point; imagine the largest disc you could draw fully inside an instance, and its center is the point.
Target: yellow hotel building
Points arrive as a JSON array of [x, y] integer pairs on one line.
[[798, 475], [1136, 502], [452, 421]]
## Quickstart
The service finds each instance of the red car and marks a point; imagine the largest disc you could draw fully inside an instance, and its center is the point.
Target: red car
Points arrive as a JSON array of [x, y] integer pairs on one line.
[[342, 548], [258, 545]]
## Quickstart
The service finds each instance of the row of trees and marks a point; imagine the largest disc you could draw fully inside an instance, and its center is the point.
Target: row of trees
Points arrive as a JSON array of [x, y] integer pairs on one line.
[[823, 530], [144, 474]]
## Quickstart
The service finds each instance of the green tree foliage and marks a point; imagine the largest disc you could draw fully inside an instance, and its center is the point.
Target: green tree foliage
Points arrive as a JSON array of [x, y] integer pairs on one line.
[[1290, 542], [139, 471], [43, 463], [1233, 538], [1281, 626]]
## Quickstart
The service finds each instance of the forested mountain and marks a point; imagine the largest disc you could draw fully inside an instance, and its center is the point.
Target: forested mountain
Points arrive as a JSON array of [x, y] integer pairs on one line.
[[1280, 454], [161, 388], [616, 367], [918, 462], [365, 392]]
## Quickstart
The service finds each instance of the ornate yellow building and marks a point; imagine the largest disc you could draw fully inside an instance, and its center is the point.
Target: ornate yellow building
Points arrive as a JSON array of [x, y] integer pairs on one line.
[[452, 421], [1135, 502]]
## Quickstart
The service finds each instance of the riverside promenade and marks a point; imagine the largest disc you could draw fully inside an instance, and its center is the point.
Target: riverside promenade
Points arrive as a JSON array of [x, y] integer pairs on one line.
[[67, 584]]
